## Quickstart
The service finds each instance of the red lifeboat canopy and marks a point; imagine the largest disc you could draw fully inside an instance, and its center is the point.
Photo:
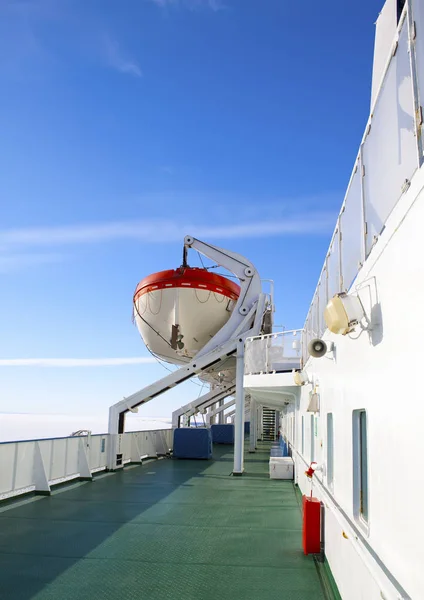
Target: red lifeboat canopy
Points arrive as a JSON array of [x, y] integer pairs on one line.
[[188, 277]]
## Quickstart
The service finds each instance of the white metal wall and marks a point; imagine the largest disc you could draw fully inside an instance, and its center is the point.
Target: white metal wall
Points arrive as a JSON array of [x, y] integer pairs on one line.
[[377, 250], [379, 372]]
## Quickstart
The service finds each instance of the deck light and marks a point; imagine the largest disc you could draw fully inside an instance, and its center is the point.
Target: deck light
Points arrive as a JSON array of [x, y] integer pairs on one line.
[[343, 313]]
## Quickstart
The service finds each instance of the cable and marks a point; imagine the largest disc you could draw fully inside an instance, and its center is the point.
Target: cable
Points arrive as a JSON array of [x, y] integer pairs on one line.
[[201, 260], [151, 327], [198, 299], [225, 275], [172, 371]]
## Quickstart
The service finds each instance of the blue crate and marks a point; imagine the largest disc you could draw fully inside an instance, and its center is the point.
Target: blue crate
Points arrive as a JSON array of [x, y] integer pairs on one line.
[[192, 443], [284, 447], [222, 434]]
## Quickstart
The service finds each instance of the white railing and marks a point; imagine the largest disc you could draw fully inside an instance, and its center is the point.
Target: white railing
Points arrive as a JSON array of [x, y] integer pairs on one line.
[[272, 353], [36, 465], [389, 155]]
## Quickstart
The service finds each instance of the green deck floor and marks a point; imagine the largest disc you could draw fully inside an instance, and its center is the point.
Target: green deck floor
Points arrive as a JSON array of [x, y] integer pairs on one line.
[[168, 530]]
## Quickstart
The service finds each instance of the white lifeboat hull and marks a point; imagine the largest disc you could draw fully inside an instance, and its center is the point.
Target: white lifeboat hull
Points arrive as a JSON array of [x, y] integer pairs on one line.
[[178, 311]]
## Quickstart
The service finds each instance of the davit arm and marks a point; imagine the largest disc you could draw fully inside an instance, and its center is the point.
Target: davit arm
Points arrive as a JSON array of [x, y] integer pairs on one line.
[[245, 320]]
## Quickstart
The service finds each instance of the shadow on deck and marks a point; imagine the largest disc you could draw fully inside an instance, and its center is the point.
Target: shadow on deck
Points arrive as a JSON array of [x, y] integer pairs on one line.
[[167, 530]]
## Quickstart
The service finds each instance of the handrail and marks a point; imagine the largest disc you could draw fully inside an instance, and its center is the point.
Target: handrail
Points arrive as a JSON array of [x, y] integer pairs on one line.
[[275, 334], [66, 437], [36, 465], [273, 352]]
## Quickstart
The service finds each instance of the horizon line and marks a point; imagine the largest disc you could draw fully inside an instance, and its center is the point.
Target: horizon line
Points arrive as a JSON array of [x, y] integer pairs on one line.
[[75, 362]]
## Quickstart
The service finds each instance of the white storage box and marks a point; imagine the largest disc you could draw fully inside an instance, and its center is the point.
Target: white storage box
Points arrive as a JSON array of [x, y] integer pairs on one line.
[[281, 467]]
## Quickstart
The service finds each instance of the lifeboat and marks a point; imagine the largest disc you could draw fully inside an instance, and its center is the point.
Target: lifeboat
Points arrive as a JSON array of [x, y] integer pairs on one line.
[[178, 311]]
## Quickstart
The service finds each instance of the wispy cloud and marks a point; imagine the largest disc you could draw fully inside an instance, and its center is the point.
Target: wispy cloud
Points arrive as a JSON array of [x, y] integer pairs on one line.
[[167, 169], [117, 59], [26, 50], [170, 231], [74, 362], [214, 5], [15, 262]]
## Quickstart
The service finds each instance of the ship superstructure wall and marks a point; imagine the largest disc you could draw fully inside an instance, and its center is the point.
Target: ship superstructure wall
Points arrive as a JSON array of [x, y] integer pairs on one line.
[[378, 373], [367, 435]]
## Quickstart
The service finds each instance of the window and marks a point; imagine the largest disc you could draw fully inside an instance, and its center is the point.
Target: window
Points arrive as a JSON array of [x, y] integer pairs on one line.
[[330, 450], [303, 436], [360, 465], [312, 438]]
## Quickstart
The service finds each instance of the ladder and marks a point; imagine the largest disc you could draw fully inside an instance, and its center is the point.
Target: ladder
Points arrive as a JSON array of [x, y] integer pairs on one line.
[[268, 425]]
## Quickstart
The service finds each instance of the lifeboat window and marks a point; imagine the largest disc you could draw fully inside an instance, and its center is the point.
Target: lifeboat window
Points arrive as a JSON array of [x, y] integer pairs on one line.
[[360, 465], [330, 450]]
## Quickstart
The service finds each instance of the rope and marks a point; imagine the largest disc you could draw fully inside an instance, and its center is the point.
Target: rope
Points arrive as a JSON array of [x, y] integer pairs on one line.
[[202, 301], [149, 303], [151, 326], [201, 260]]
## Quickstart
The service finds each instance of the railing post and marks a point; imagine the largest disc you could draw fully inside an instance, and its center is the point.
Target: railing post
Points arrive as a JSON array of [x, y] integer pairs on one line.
[[41, 480], [266, 354], [363, 205], [253, 420], [221, 413], [239, 416], [83, 464]]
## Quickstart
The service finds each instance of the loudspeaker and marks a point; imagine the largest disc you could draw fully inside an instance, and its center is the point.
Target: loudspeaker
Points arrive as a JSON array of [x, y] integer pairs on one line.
[[317, 348]]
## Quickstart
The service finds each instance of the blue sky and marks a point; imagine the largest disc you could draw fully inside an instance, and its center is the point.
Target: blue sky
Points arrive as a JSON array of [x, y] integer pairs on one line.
[[125, 126]]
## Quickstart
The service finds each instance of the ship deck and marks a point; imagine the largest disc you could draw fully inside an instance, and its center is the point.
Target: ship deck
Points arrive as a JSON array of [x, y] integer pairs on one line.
[[166, 530]]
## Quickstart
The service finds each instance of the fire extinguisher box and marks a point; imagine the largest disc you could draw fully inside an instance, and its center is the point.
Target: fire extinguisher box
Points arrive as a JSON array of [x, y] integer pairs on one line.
[[311, 531]]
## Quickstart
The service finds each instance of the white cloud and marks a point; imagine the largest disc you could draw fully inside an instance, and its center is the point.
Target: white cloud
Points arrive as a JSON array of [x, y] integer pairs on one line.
[[147, 231], [74, 362], [15, 262], [118, 60]]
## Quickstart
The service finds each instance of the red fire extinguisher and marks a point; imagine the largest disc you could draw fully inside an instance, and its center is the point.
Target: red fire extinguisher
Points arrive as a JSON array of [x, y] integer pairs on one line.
[[311, 530]]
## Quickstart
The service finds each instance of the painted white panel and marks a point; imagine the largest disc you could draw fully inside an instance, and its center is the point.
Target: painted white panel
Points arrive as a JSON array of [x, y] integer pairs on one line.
[[307, 336], [315, 316], [57, 467], [98, 451], [333, 267], [7, 466], [418, 17], [352, 230], [384, 36], [71, 465], [322, 302], [389, 151], [24, 465], [126, 446], [95, 450]]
